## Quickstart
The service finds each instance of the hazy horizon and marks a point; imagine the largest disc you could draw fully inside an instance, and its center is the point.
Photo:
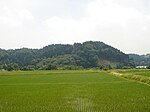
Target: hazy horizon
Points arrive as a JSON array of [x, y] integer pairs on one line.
[[123, 24]]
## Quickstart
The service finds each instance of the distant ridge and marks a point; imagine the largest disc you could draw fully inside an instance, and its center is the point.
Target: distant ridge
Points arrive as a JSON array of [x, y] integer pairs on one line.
[[140, 60], [88, 54]]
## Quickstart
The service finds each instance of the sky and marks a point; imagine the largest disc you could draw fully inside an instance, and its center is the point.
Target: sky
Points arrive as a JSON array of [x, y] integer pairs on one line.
[[123, 24]]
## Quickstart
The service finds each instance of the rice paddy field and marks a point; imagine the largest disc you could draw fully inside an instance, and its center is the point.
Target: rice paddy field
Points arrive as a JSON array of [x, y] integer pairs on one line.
[[72, 91]]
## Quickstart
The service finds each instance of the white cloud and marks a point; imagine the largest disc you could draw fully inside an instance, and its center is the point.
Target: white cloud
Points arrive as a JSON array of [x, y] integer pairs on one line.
[[111, 12], [124, 24], [107, 21], [7, 18], [25, 15], [121, 26], [65, 30]]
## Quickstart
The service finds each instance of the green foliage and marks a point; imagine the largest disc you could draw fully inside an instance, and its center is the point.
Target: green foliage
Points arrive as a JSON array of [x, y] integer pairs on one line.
[[11, 67], [140, 60], [51, 67], [29, 67], [148, 67], [71, 68], [138, 75], [127, 67], [86, 55]]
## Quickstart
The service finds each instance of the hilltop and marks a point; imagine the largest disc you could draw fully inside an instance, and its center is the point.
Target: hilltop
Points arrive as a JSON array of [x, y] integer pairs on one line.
[[88, 54]]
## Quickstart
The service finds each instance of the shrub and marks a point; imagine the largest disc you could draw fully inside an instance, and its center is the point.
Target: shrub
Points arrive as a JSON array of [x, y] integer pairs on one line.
[[148, 67]]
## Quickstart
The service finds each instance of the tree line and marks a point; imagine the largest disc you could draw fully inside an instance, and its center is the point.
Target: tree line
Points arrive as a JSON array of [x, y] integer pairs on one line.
[[90, 54]]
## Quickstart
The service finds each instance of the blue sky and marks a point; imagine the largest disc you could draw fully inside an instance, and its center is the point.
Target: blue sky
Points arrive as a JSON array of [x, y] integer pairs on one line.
[[124, 24]]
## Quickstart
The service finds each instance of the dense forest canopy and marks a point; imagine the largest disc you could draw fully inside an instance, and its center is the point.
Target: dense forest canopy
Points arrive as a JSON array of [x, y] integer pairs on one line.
[[140, 60], [59, 56]]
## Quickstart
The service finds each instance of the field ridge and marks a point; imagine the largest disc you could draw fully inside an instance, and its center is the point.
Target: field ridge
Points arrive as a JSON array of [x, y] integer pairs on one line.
[[138, 78]]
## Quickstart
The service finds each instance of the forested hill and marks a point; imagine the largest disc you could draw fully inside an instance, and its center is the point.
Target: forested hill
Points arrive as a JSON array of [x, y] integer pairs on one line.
[[59, 56], [140, 60]]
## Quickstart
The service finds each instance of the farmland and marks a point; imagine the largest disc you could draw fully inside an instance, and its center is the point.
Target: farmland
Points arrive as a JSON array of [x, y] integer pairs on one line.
[[142, 76], [136, 72], [72, 91]]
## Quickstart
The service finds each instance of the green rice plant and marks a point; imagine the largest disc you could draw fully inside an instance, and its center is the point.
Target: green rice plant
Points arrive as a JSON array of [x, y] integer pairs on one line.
[[71, 91]]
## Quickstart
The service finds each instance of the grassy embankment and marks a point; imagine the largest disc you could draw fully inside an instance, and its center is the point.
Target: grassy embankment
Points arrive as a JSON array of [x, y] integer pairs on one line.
[[140, 75]]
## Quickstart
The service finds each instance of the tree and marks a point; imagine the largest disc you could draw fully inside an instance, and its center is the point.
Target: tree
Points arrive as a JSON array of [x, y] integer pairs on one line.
[[148, 67], [12, 66], [86, 55], [51, 67]]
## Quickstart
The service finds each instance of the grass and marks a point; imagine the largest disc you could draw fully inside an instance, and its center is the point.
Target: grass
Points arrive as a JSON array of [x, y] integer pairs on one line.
[[142, 76], [71, 91], [142, 72]]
